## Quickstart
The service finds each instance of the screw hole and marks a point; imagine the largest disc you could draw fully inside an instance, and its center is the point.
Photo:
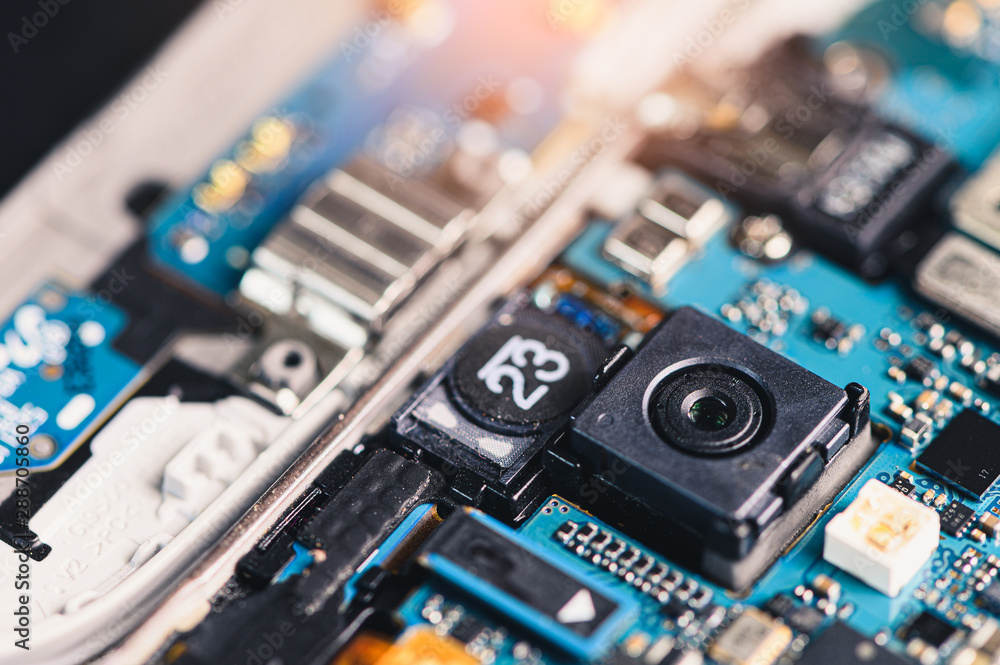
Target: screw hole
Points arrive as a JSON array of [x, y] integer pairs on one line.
[[293, 359]]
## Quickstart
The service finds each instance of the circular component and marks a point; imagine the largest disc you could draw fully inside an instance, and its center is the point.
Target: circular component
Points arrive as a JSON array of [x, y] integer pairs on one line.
[[194, 249], [287, 363], [91, 333], [711, 413], [710, 409], [42, 447], [526, 373], [763, 238], [292, 359]]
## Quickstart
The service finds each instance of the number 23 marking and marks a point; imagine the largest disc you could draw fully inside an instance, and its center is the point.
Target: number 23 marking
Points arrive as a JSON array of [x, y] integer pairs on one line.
[[516, 350]]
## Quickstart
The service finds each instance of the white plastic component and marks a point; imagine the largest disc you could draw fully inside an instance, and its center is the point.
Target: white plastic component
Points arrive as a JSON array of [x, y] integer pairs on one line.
[[621, 192], [75, 412], [153, 469], [883, 538]]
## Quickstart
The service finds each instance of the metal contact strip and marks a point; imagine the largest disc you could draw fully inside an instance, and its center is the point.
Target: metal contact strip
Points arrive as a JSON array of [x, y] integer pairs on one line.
[[329, 230], [347, 185]]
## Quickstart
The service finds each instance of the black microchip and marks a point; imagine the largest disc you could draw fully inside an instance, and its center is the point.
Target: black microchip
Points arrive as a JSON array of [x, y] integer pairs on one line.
[[921, 369], [467, 629], [955, 519], [842, 645], [876, 188], [780, 605], [903, 486], [929, 628], [991, 596], [966, 453], [827, 328], [801, 618]]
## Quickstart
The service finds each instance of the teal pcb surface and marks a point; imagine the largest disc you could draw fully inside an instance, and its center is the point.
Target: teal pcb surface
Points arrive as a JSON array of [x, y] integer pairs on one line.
[[890, 329], [717, 281], [58, 373], [949, 94], [890, 325]]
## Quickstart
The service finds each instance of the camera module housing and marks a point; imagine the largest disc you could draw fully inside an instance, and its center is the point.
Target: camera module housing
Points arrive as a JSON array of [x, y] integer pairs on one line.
[[733, 448]]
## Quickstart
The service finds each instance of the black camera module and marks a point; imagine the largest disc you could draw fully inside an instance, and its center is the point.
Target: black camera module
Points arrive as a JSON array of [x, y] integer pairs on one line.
[[719, 450], [710, 409]]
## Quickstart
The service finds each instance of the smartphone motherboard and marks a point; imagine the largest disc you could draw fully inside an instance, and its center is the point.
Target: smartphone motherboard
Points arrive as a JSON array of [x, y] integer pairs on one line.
[[450, 358]]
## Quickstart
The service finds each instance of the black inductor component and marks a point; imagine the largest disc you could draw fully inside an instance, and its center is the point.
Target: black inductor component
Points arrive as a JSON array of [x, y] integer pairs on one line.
[[489, 410], [524, 374]]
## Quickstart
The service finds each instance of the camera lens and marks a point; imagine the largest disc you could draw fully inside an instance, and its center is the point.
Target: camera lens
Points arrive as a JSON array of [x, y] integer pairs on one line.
[[710, 413], [709, 409]]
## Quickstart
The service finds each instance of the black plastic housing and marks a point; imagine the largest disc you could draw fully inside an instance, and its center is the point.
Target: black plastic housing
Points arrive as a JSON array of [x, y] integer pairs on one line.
[[480, 438], [852, 185], [726, 511]]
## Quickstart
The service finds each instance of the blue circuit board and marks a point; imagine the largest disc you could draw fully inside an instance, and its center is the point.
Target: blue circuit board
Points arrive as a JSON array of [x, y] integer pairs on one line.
[[950, 94], [60, 373], [451, 612], [716, 282], [207, 230]]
